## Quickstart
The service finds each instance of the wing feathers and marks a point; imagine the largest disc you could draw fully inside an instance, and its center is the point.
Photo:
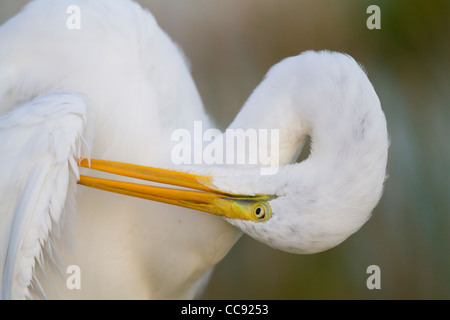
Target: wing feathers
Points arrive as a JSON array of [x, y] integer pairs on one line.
[[40, 142]]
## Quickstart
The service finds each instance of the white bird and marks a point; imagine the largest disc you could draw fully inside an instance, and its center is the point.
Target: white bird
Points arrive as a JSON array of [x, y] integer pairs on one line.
[[115, 89]]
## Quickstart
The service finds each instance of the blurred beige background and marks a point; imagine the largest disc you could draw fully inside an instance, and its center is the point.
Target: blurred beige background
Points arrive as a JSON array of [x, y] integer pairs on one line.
[[231, 44]]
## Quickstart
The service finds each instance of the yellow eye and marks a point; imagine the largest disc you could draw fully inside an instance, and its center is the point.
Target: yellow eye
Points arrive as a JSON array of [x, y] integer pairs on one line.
[[262, 212]]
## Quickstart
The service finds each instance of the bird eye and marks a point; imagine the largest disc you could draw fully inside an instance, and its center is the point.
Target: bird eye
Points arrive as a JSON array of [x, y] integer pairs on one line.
[[259, 212]]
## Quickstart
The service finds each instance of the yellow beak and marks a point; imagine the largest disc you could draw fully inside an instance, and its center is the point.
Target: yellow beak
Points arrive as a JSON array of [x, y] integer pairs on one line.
[[205, 197]]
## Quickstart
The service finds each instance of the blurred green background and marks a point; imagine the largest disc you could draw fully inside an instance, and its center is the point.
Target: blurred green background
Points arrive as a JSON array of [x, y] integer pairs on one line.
[[231, 44]]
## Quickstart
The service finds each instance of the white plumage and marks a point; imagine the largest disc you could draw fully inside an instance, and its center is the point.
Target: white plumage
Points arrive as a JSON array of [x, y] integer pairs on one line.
[[40, 142], [139, 90], [327, 197]]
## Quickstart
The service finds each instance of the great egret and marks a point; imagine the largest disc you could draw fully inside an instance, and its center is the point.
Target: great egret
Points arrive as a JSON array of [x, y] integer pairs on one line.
[[115, 89]]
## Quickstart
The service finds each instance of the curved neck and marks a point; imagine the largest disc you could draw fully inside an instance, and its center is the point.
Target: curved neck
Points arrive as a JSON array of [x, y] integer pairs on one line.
[[330, 195], [335, 104]]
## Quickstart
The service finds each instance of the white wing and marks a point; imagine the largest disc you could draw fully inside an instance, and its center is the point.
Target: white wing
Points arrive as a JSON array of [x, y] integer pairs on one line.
[[138, 83], [40, 142]]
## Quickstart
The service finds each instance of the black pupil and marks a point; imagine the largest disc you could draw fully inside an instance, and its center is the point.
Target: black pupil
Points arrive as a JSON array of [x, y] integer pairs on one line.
[[258, 211]]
